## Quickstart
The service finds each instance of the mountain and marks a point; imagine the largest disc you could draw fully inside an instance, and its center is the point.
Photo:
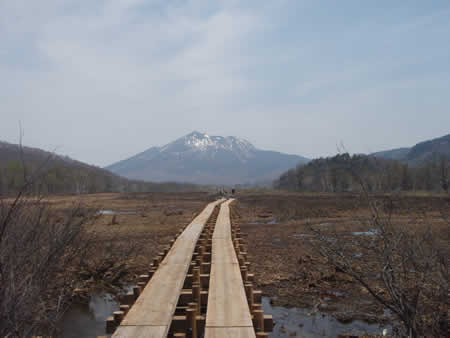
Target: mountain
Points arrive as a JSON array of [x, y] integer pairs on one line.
[[424, 151], [61, 174], [204, 159], [399, 154], [420, 153]]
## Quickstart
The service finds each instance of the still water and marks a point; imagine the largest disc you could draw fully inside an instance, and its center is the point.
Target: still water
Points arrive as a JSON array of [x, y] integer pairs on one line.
[[88, 320], [299, 322]]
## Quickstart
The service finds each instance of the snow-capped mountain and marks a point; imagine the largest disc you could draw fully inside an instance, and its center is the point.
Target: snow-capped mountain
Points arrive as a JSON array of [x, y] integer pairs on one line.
[[204, 159], [210, 146]]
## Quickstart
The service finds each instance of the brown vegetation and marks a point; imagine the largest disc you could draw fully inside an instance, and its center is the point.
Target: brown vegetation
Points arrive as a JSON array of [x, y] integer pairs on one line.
[[282, 245], [54, 246]]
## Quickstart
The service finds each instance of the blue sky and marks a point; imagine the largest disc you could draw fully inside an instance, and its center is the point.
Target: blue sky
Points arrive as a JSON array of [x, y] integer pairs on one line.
[[103, 80]]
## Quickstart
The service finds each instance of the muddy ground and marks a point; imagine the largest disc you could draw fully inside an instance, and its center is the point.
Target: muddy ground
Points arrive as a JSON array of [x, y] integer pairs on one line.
[[288, 269], [128, 231], [279, 236]]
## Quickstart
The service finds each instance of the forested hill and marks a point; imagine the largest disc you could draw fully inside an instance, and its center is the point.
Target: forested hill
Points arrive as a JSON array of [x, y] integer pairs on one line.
[[61, 174], [420, 153], [341, 172]]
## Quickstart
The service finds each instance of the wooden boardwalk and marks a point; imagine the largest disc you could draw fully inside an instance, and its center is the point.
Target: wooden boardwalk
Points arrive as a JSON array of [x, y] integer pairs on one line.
[[152, 313], [201, 287], [228, 312]]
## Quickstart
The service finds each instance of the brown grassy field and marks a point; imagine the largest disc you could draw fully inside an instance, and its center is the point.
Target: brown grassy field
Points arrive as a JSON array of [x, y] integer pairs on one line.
[[280, 245], [128, 239], [278, 227]]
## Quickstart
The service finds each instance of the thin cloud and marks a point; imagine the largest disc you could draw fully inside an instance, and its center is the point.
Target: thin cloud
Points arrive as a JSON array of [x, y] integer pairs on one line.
[[105, 80]]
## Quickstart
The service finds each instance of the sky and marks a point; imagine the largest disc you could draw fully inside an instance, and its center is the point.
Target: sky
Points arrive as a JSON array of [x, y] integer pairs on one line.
[[101, 80]]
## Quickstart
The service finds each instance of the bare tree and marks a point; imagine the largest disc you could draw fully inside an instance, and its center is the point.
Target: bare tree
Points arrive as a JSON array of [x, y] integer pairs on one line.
[[404, 267], [38, 251], [46, 253], [444, 173], [36, 248]]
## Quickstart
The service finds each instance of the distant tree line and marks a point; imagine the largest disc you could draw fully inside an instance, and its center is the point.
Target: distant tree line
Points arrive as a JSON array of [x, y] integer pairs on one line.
[[59, 177], [340, 173]]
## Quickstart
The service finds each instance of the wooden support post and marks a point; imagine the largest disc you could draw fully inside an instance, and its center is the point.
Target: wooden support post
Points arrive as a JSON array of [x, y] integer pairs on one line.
[[144, 278], [191, 315], [199, 262], [256, 307], [128, 298], [204, 280], [110, 325], [259, 320], [141, 286], [207, 257], [206, 268], [118, 316], [244, 273], [191, 268], [136, 292], [249, 291], [257, 295], [196, 295], [194, 305], [124, 308], [268, 323], [196, 275]]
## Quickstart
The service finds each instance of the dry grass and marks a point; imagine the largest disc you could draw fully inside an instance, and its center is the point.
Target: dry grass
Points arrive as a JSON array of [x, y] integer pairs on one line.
[[153, 220], [282, 256]]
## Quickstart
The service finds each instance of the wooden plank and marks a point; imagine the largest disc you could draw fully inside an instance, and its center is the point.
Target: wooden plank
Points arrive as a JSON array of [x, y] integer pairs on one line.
[[152, 312], [223, 224], [158, 299], [229, 332], [227, 303], [228, 314], [140, 331], [223, 252]]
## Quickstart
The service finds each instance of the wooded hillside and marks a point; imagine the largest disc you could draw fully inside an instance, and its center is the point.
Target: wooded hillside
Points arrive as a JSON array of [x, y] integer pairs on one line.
[[341, 172], [63, 175]]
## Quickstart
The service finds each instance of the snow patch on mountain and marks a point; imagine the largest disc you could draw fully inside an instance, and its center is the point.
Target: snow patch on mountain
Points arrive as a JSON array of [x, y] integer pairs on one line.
[[201, 142]]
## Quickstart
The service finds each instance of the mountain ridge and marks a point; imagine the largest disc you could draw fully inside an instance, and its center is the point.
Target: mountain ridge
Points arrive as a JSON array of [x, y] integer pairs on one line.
[[419, 153], [200, 158], [62, 174]]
